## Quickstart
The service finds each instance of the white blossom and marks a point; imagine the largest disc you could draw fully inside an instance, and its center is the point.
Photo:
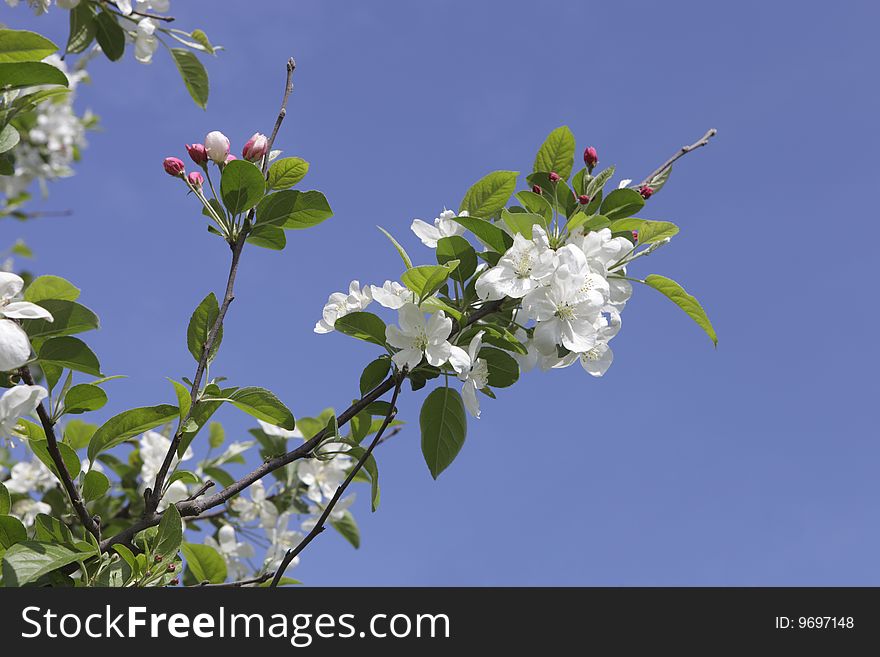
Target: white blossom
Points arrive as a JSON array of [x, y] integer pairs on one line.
[[416, 337], [232, 550], [281, 539], [336, 514], [258, 506], [392, 295], [278, 432], [340, 304], [30, 476], [15, 347], [27, 510], [444, 226], [15, 403], [321, 477], [153, 448], [475, 376], [145, 43], [624, 183], [525, 266]]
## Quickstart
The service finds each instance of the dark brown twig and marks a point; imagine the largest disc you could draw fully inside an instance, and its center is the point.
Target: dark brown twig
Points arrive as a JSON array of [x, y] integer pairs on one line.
[[319, 526], [52, 444], [684, 150]]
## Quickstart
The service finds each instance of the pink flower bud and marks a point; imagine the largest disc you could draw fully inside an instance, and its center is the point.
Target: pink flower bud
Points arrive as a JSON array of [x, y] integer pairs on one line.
[[537, 190], [591, 157], [554, 177], [583, 199], [195, 179], [174, 582], [217, 146], [255, 147], [173, 166], [635, 236], [646, 192], [229, 158], [197, 153]]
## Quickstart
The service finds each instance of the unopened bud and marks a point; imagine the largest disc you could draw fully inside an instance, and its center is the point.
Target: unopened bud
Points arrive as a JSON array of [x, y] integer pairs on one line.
[[158, 558], [217, 146], [554, 177], [229, 158], [174, 166], [198, 153], [171, 568], [583, 199], [255, 147], [646, 192], [174, 582], [591, 157], [195, 179], [537, 189], [635, 236]]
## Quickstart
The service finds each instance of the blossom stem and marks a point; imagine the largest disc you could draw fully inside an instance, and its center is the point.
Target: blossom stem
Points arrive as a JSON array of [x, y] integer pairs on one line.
[[684, 150], [319, 526], [90, 523]]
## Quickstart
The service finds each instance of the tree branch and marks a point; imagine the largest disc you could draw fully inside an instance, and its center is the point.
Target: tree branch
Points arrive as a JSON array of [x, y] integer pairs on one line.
[[684, 150], [288, 88], [265, 577], [52, 444], [319, 526]]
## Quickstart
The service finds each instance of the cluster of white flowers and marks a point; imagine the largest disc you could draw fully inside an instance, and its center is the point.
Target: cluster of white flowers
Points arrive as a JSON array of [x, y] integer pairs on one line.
[[574, 295], [569, 293], [48, 149]]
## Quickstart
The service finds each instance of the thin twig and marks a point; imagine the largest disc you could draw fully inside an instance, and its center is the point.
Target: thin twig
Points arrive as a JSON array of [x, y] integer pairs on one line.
[[265, 577], [684, 150], [319, 526], [201, 491], [52, 445], [288, 88]]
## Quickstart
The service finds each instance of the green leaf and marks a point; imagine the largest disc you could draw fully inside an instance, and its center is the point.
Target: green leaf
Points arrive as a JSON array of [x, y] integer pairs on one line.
[[268, 237], [374, 374], [185, 476], [69, 317], [216, 435], [170, 533], [521, 222], [27, 561], [363, 326], [95, 484], [348, 528], [457, 248], [683, 300], [110, 35], [597, 184], [184, 399], [488, 233], [424, 280], [536, 204], [293, 209], [5, 499], [261, 404], [9, 137], [503, 368], [200, 324], [649, 231], [77, 433], [433, 304], [444, 428], [204, 563], [24, 46], [123, 426], [241, 186], [656, 183], [194, 76], [201, 38], [622, 203], [128, 557], [11, 531], [220, 476], [32, 431], [489, 194], [29, 74], [72, 353], [40, 448], [50, 287], [370, 466], [286, 172], [556, 153], [84, 397], [52, 530], [407, 261], [83, 28]]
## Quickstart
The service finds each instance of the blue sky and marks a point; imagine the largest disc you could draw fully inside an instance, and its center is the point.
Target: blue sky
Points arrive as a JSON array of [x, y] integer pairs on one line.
[[753, 464]]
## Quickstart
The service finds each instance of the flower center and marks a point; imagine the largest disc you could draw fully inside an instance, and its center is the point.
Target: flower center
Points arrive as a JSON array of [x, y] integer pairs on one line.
[[592, 354], [565, 311], [420, 341], [523, 266]]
